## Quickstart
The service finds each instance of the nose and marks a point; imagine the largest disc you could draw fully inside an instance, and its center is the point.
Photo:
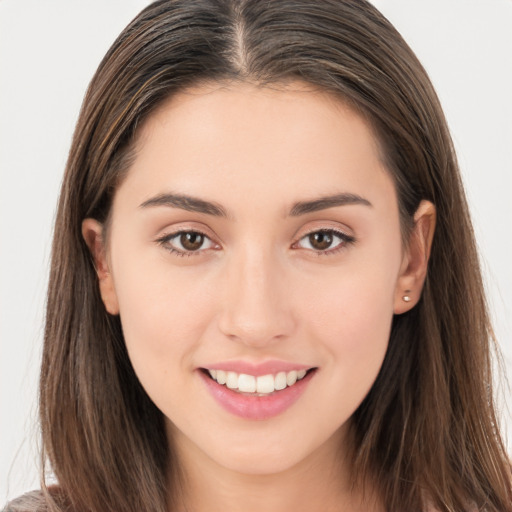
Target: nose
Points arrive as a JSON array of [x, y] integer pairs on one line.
[[256, 308]]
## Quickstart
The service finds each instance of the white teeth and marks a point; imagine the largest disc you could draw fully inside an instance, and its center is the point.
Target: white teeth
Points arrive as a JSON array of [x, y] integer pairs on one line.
[[291, 378], [246, 383], [263, 385], [232, 380], [221, 377], [280, 382]]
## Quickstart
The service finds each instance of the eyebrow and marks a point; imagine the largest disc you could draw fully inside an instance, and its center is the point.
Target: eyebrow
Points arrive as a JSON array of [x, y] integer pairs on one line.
[[194, 204], [322, 203], [184, 202]]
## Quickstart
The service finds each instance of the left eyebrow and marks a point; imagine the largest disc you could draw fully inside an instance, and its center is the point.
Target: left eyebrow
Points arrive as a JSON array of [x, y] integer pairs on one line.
[[322, 203]]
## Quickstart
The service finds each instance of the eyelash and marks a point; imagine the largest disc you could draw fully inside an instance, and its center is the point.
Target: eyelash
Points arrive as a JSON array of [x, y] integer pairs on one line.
[[165, 239], [345, 240]]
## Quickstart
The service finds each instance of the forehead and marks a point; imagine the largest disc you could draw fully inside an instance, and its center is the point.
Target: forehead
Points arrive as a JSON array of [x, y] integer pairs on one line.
[[295, 109], [244, 141]]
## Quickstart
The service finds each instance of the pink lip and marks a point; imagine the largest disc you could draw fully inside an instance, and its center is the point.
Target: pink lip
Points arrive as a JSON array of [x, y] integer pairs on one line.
[[270, 367], [253, 407]]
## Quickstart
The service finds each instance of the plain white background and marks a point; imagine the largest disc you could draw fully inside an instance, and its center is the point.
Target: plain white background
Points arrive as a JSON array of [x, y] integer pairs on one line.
[[49, 50]]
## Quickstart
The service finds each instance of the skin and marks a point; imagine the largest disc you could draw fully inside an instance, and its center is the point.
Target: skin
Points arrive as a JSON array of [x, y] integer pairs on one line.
[[257, 289]]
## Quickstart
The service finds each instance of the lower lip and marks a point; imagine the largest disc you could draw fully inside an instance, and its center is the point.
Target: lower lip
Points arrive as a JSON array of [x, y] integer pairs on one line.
[[256, 407]]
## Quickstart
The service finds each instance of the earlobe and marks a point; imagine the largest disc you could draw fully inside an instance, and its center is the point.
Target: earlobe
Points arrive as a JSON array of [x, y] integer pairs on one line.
[[415, 261], [92, 231]]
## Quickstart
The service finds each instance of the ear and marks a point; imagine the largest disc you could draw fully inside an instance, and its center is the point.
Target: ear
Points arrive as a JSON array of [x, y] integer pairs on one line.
[[92, 231], [415, 260]]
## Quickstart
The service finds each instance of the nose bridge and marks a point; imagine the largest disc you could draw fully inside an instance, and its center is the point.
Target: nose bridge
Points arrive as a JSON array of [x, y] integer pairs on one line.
[[255, 310]]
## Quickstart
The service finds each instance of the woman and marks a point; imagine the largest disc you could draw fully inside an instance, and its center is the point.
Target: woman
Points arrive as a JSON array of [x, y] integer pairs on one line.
[[265, 291]]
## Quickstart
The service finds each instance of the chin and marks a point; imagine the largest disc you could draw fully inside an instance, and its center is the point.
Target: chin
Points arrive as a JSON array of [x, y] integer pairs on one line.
[[260, 463], [273, 452]]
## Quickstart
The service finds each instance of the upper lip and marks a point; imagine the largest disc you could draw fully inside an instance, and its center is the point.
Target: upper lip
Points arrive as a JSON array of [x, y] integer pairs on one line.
[[270, 367]]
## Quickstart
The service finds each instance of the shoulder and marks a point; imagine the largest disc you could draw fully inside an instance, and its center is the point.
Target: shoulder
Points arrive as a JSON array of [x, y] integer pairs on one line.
[[37, 501], [30, 502]]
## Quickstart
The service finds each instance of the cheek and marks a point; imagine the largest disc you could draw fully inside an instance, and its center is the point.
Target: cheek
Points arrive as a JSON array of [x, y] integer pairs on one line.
[[163, 311], [355, 338], [350, 316], [353, 300]]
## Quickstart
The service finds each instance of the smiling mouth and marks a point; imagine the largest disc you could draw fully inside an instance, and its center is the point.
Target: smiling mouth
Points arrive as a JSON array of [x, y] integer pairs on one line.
[[262, 385]]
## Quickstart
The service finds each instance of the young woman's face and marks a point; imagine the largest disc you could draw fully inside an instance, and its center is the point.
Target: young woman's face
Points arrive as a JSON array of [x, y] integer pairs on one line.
[[256, 236]]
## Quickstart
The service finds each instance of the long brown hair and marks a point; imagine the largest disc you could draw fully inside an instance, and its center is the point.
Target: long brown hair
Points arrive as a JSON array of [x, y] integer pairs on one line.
[[427, 431]]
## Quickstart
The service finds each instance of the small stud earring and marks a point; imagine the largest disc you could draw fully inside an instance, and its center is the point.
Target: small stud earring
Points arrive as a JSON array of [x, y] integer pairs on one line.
[[406, 297]]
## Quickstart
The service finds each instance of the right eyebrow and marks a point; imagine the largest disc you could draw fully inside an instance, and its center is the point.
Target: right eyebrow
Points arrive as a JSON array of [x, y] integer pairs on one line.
[[185, 202]]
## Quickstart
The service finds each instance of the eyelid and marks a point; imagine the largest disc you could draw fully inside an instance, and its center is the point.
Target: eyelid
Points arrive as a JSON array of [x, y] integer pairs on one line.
[[345, 238], [164, 240]]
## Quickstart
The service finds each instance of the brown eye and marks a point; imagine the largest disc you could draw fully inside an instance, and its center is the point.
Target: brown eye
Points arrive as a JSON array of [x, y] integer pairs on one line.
[[325, 241], [320, 240], [186, 243], [191, 241]]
